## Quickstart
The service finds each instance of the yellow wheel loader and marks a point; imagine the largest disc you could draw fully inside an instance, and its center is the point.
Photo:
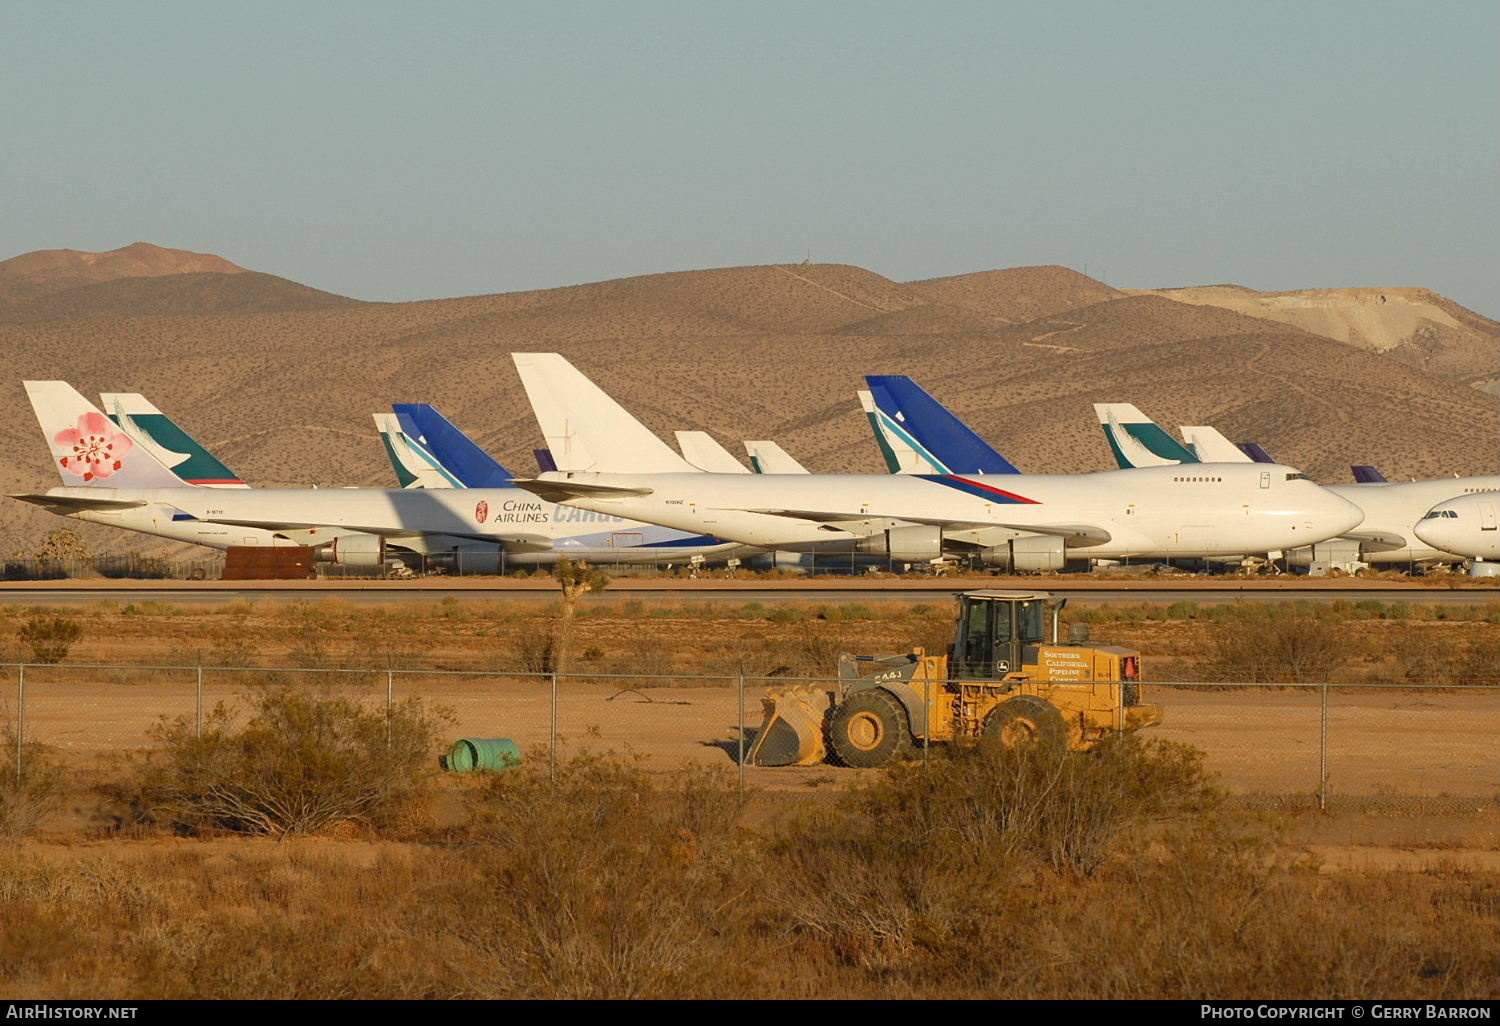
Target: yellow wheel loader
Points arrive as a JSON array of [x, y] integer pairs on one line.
[[1001, 678]]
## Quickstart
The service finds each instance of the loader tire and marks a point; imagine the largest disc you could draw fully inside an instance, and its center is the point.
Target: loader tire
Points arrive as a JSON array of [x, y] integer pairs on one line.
[[1025, 720], [870, 729]]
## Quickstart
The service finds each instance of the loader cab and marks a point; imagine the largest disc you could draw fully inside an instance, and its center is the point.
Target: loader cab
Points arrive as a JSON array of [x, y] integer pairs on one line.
[[999, 631]]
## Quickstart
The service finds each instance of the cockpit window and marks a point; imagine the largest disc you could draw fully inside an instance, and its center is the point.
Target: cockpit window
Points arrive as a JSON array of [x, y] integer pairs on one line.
[[1435, 513], [1298, 477]]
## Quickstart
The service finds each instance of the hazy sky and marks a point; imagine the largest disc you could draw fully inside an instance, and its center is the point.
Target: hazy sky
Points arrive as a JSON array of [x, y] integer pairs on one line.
[[403, 150]]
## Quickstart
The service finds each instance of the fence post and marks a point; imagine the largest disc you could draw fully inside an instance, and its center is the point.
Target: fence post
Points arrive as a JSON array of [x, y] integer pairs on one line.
[[742, 734], [198, 706], [552, 741], [390, 703], [20, 716], [1323, 750]]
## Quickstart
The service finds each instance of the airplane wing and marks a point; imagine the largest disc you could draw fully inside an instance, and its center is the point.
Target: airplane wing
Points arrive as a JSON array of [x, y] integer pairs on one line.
[[1379, 541], [1078, 535], [65, 504], [561, 491]]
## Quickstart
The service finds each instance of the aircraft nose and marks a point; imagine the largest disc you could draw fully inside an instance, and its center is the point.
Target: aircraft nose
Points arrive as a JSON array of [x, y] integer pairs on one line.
[[1352, 514]]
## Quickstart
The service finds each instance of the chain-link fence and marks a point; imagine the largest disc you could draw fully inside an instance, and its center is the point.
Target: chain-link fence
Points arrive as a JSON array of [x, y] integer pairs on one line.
[[1287, 745]]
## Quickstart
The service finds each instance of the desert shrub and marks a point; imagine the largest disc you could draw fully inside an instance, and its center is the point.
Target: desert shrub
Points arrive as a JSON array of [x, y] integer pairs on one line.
[[1272, 649], [293, 760], [536, 651], [1041, 804], [28, 791], [1420, 657], [548, 917], [1478, 662], [50, 637], [918, 862]]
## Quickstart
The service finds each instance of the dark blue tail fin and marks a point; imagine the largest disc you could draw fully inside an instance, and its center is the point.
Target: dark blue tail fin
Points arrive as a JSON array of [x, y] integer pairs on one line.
[[940, 437], [1368, 475], [453, 449]]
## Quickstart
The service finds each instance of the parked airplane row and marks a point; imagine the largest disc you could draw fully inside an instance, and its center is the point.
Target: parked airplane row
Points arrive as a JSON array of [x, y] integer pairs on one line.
[[610, 492]]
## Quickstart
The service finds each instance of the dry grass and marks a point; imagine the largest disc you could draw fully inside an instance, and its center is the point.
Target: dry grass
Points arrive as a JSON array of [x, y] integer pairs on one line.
[[616, 883]]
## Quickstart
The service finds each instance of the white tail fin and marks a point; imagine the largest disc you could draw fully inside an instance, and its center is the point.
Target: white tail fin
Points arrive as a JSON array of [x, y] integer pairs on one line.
[[770, 458], [586, 429], [87, 448], [1210, 446], [700, 449], [415, 467]]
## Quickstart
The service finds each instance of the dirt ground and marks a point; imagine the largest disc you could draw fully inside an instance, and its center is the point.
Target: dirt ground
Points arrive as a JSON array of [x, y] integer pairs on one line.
[[1412, 775]]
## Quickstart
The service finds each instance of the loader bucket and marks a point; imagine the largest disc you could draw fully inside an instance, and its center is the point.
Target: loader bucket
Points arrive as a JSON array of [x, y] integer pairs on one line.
[[792, 732]]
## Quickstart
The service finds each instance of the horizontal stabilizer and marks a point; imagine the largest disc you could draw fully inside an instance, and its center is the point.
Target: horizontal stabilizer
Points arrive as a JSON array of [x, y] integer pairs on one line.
[[65, 504], [562, 490]]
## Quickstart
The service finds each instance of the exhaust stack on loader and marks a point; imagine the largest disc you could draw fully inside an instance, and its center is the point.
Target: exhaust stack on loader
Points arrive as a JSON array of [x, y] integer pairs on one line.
[[1001, 679]]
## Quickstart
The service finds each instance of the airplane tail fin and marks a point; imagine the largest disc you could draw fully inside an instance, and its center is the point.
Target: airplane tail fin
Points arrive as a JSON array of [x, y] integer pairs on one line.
[[1210, 446], [700, 449], [905, 412], [770, 458], [1367, 475], [544, 463], [1135, 440], [173, 447], [414, 465], [1255, 452], [87, 447], [455, 451], [586, 429]]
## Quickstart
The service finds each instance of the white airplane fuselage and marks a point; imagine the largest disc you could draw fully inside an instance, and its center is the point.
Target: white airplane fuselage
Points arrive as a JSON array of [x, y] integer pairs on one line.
[[1465, 525], [527, 528], [1388, 534], [1201, 510]]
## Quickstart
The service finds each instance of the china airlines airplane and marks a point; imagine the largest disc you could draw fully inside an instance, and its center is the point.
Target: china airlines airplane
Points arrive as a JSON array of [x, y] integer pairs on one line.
[[108, 477]]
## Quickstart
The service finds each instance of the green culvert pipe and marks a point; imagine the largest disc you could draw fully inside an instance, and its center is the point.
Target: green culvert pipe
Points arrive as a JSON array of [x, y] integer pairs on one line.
[[482, 753]]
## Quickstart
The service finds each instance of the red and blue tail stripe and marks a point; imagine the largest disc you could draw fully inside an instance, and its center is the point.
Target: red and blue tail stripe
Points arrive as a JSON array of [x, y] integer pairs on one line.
[[977, 489]]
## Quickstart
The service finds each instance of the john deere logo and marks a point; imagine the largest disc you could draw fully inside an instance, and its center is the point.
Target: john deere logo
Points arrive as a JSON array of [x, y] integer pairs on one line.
[[482, 511]]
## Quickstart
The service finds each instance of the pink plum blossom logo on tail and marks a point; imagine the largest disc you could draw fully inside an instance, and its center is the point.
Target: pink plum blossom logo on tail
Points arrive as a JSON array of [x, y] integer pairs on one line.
[[97, 447]]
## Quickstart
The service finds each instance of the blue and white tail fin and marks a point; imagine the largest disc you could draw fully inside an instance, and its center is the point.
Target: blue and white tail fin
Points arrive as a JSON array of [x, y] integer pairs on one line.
[[88, 448], [1135, 440], [896, 445], [770, 458], [1210, 446], [906, 417], [455, 452], [1364, 474], [585, 428], [700, 449], [173, 447], [415, 467]]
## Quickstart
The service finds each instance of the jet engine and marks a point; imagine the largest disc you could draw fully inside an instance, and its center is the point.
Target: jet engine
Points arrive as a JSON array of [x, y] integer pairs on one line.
[[917, 543], [357, 550]]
